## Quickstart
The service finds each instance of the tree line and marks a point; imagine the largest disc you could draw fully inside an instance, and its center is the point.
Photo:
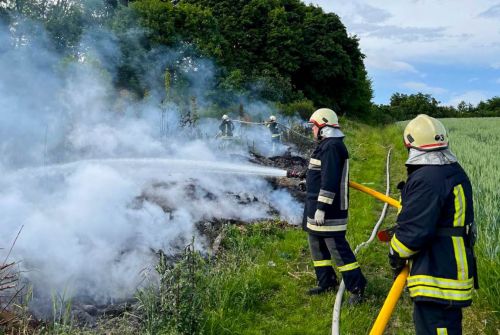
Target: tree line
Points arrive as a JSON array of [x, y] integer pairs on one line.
[[284, 52], [408, 106]]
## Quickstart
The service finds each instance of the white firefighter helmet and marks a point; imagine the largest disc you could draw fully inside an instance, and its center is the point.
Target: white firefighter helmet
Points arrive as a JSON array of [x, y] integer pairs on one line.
[[425, 133], [272, 118], [225, 117], [324, 117]]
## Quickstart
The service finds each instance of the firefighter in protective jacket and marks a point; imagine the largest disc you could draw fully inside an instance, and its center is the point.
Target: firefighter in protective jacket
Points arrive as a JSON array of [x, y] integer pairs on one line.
[[273, 126], [226, 127], [435, 230], [325, 217]]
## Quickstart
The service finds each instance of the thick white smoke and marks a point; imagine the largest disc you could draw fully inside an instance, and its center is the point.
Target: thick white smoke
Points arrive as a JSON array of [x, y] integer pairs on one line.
[[90, 229]]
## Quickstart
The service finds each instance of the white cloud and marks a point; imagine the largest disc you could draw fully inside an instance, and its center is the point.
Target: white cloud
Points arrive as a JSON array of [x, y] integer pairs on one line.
[[399, 37], [492, 12], [472, 97], [389, 65], [428, 31], [423, 87]]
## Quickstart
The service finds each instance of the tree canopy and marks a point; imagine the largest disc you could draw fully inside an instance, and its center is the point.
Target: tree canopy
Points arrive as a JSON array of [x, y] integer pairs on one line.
[[281, 51], [298, 51]]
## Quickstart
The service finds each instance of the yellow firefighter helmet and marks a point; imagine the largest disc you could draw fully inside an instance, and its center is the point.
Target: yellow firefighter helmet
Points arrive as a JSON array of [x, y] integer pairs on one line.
[[325, 117], [425, 133], [225, 117]]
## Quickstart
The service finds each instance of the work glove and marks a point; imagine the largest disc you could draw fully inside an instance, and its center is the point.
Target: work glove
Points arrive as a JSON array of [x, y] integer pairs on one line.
[[319, 217], [401, 185], [397, 263]]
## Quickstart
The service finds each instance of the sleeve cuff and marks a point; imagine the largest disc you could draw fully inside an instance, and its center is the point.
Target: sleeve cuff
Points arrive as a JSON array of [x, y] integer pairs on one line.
[[399, 248], [326, 197]]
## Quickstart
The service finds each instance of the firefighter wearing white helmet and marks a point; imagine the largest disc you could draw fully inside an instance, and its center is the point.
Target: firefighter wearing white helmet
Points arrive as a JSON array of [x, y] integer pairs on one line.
[[226, 127], [435, 230], [327, 203], [273, 126]]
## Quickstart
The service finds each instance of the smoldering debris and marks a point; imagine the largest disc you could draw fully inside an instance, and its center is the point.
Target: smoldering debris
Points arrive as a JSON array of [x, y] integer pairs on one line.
[[209, 226]]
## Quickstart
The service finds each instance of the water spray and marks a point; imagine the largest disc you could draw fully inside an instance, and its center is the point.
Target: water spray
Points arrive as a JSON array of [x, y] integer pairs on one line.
[[164, 165], [281, 124]]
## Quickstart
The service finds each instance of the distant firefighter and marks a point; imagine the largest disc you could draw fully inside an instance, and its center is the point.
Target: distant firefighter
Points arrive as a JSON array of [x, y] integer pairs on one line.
[[226, 127], [273, 126]]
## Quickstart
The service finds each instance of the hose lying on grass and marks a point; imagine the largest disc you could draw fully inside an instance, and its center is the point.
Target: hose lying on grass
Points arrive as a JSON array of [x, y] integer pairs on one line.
[[340, 292]]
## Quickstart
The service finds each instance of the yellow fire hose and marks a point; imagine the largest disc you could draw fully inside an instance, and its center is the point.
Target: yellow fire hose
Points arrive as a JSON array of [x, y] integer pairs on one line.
[[399, 284], [373, 193], [390, 303]]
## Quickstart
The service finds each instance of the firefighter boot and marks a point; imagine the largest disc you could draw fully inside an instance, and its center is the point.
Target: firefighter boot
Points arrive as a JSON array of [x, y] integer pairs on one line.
[[327, 280], [320, 290], [356, 297]]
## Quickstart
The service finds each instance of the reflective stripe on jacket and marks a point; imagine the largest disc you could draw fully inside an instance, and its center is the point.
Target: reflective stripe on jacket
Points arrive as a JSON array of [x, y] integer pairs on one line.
[[327, 187], [436, 199]]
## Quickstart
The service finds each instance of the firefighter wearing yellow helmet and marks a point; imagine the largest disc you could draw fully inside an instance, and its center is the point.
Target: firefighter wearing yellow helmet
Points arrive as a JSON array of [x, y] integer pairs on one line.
[[435, 230], [425, 133], [325, 213], [324, 117]]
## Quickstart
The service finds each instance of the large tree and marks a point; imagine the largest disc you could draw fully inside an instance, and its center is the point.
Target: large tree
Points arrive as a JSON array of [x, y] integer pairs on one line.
[[291, 42]]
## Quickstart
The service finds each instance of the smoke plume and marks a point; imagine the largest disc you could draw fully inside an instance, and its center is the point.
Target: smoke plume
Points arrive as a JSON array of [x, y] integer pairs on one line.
[[90, 227]]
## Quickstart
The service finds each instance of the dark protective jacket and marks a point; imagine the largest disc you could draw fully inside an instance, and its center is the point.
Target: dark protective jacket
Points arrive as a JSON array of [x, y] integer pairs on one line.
[[434, 230], [327, 187], [274, 129], [226, 127]]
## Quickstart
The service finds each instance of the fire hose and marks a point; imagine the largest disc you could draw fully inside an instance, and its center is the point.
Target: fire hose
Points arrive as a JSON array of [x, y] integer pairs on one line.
[[281, 124], [398, 286]]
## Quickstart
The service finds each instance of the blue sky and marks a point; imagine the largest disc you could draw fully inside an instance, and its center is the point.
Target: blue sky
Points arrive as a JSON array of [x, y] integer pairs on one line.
[[447, 48]]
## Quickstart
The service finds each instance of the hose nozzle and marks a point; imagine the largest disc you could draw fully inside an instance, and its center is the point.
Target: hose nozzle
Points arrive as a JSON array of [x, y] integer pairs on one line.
[[295, 174]]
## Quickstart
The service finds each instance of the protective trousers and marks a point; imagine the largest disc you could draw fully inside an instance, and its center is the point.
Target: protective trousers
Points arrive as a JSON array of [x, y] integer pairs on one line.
[[437, 319], [322, 250]]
